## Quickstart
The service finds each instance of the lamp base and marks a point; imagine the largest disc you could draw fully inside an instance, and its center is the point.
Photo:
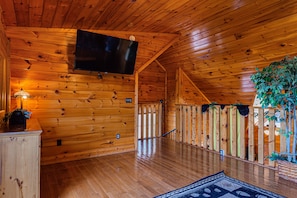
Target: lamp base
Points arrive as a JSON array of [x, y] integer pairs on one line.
[[17, 120]]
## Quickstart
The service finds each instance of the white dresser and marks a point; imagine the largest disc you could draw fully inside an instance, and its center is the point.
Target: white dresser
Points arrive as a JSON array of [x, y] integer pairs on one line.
[[20, 161]]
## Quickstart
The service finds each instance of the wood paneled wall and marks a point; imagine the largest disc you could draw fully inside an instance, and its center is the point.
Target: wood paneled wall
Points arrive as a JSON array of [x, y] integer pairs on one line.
[[152, 84], [4, 70], [181, 90], [79, 113], [188, 92]]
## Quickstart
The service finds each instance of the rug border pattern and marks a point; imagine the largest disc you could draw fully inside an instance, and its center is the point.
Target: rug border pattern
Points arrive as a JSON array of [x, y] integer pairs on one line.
[[219, 175]]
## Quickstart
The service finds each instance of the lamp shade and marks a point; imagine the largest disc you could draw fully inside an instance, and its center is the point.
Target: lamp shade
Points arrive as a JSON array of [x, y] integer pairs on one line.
[[22, 94]]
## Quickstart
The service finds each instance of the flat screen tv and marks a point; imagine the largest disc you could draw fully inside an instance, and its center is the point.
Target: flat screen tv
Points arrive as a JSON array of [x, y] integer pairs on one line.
[[102, 53]]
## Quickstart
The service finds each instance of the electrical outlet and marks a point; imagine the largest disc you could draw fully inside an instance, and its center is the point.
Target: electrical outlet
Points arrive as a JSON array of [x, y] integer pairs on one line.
[[59, 142], [118, 136], [128, 100]]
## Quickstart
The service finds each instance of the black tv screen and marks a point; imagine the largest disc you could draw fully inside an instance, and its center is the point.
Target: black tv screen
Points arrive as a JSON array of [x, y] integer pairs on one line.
[[102, 53]]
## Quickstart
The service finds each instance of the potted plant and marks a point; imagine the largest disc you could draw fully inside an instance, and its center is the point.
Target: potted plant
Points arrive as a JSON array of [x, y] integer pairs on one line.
[[276, 87]]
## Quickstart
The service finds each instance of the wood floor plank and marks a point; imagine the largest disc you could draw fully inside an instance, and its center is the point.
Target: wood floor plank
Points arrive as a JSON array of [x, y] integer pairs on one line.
[[159, 165]]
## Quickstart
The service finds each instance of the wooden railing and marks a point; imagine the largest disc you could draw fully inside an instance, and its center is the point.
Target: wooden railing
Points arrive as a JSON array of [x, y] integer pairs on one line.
[[227, 132], [150, 120]]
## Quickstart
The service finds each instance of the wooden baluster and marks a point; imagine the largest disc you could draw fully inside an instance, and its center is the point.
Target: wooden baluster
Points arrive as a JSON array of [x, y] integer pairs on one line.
[[205, 129], [251, 144], [142, 121], [217, 132], [260, 135], [199, 126], [210, 132], [177, 119], [153, 123], [194, 124], [180, 137], [224, 130], [189, 128], [234, 132], [157, 116], [184, 118], [146, 121], [282, 137], [271, 137], [139, 122], [242, 143]]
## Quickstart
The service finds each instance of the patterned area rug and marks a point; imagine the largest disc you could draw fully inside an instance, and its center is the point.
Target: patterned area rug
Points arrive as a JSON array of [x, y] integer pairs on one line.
[[219, 185]]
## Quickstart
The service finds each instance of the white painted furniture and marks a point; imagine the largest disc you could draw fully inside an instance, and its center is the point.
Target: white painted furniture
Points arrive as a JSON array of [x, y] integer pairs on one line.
[[20, 161]]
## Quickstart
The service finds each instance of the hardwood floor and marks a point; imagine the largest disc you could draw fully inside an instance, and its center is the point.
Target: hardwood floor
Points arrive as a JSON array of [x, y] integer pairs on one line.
[[159, 165]]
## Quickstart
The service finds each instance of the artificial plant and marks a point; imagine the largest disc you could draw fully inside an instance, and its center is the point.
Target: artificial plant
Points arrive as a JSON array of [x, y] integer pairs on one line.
[[276, 87]]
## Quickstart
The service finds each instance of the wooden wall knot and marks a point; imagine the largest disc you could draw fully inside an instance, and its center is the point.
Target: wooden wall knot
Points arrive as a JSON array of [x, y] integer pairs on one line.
[[20, 185], [109, 142], [92, 96]]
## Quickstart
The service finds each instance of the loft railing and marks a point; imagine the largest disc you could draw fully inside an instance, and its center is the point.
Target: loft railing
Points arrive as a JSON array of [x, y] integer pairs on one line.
[[226, 131], [150, 120]]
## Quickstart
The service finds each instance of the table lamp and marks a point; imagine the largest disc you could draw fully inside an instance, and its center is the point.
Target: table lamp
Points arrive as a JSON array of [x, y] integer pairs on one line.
[[22, 95]]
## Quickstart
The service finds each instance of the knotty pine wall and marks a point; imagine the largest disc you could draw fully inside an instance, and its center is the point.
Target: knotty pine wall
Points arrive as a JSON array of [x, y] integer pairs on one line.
[[4, 70], [180, 90], [152, 84], [187, 92], [80, 114]]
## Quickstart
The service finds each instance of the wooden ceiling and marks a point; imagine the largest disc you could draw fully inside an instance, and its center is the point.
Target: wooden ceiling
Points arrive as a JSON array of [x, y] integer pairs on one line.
[[220, 42]]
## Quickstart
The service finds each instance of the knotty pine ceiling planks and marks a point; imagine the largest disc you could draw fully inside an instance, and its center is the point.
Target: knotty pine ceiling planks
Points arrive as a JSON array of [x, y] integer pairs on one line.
[[220, 42]]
